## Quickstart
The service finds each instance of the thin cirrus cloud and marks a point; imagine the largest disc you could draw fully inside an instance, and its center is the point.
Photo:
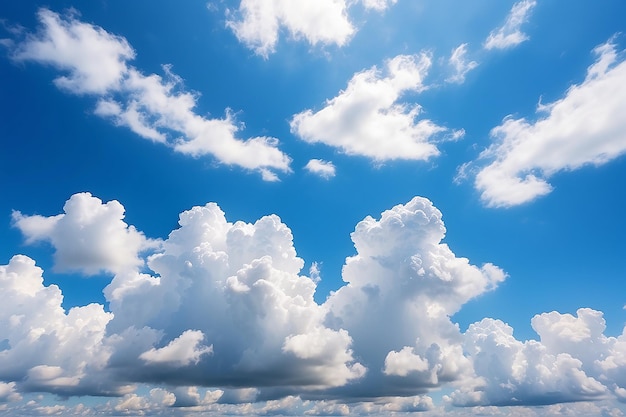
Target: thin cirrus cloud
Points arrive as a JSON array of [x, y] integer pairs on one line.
[[257, 23], [585, 127], [460, 64], [510, 34], [96, 62], [224, 305], [368, 119]]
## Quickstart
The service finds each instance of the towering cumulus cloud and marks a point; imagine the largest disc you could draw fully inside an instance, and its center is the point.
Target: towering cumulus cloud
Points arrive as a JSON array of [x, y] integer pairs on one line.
[[96, 62]]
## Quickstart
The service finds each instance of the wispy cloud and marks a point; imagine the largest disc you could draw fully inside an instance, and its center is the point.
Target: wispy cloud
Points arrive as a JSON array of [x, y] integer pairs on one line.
[[585, 127], [460, 64], [510, 34], [97, 63]]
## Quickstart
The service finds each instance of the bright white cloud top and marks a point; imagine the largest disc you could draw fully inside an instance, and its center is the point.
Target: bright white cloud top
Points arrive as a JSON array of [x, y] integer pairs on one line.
[[326, 289]]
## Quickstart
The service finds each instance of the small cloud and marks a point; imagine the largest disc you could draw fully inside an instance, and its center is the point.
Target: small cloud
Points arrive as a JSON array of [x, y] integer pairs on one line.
[[460, 65], [510, 34], [320, 167]]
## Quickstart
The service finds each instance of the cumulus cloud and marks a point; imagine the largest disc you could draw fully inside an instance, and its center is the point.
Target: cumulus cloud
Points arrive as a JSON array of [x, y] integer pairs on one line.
[[223, 305], [510, 34], [153, 107], [90, 236], [403, 274], [584, 127], [46, 348], [324, 169], [460, 65], [367, 118], [257, 23]]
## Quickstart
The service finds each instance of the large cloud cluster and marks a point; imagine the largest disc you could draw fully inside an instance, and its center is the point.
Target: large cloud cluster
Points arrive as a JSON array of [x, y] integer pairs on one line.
[[96, 62], [221, 304]]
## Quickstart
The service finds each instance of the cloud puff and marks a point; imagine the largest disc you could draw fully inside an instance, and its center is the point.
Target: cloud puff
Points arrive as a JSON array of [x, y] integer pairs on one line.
[[257, 23], [89, 237], [155, 108], [585, 127], [367, 119], [510, 34], [324, 169]]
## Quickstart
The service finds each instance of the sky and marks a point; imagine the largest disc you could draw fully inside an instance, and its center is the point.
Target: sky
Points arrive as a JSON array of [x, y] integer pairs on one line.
[[322, 207]]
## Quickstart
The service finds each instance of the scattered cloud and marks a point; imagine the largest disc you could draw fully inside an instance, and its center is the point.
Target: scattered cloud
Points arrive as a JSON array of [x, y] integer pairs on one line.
[[460, 65], [324, 169], [158, 109], [584, 127], [89, 236], [510, 34], [257, 23], [367, 118]]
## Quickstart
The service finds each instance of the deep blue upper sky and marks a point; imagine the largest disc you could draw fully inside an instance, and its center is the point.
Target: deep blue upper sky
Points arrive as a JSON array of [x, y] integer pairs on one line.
[[561, 249]]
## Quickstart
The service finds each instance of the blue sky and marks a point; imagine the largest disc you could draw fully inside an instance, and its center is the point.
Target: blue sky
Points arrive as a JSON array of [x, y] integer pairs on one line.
[[369, 207]]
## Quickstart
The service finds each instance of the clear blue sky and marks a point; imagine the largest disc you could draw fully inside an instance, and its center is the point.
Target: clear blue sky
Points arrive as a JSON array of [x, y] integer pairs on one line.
[[313, 208]]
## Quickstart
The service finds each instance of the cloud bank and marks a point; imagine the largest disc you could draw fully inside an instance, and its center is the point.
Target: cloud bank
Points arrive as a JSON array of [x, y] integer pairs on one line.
[[221, 304], [96, 63]]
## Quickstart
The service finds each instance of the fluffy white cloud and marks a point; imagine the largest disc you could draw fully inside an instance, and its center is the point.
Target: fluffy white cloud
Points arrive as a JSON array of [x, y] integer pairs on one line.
[[90, 236], [511, 372], [367, 119], [257, 23], [95, 59], [45, 348], [510, 34], [224, 305], [403, 274], [324, 169], [585, 127], [459, 63], [155, 108]]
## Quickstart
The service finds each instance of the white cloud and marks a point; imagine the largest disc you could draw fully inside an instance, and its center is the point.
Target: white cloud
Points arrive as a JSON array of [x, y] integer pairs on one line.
[[324, 169], [510, 34], [95, 59], [460, 64], [511, 372], [257, 23], [224, 305], [90, 236], [46, 348], [403, 274], [155, 108], [367, 119], [585, 127]]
